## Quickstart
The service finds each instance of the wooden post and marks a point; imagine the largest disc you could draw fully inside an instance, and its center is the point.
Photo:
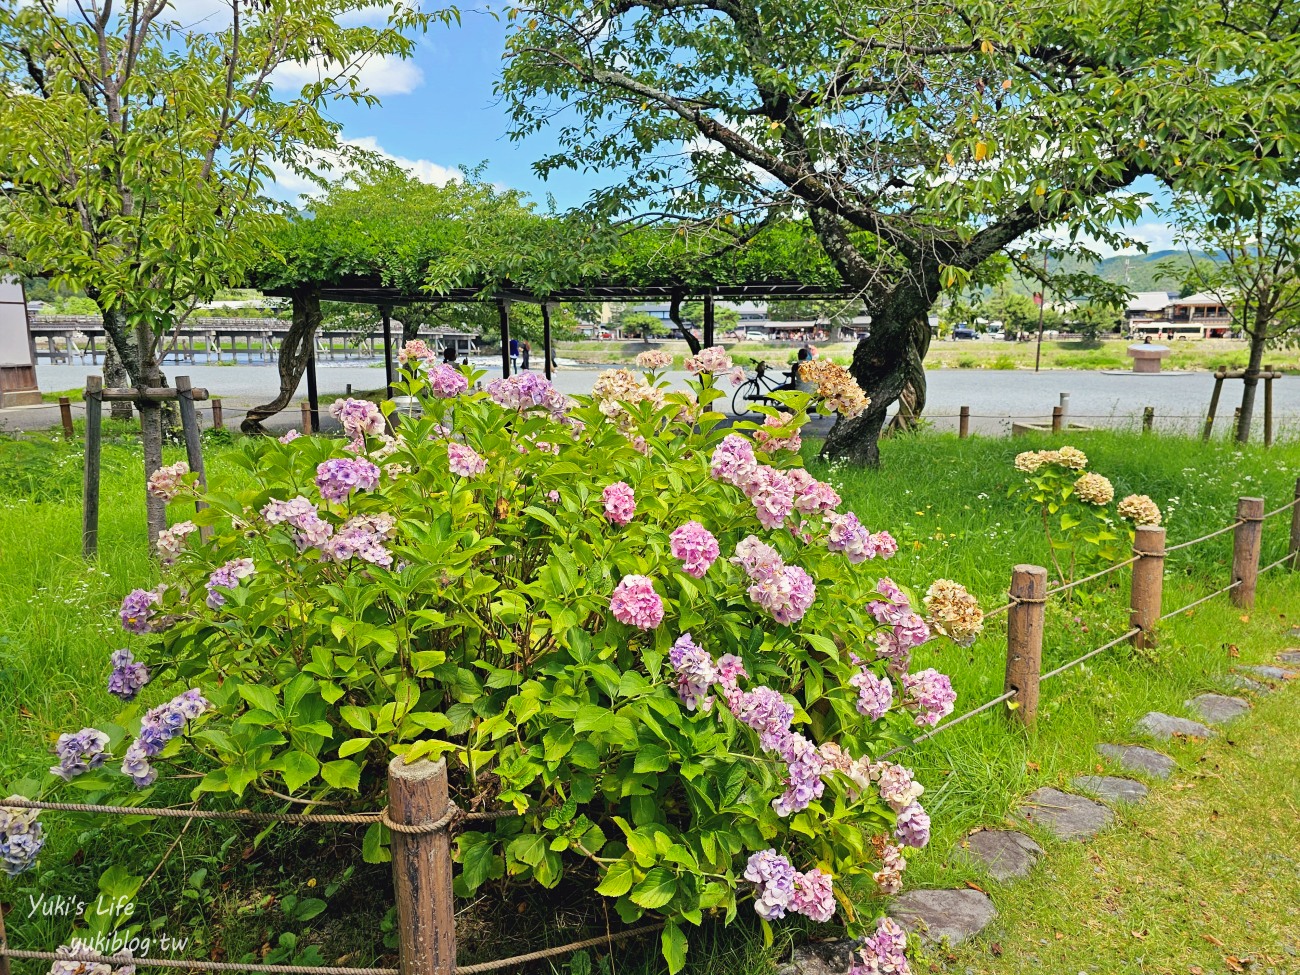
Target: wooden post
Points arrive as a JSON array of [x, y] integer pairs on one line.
[[1058, 415], [4, 959], [426, 923], [1147, 584], [503, 313], [217, 422], [1025, 638], [1245, 550], [65, 414], [1214, 403], [546, 336], [193, 446], [1236, 422], [1295, 528], [90, 474], [306, 418], [1268, 406], [963, 423], [1148, 419]]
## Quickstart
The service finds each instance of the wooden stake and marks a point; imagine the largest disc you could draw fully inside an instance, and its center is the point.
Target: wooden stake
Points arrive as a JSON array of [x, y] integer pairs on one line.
[[306, 418], [1148, 583], [1058, 415], [90, 474], [65, 414], [1245, 550], [4, 959], [1214, 404], [426, 922], [217, 422], [193, 445], [1295, 529], [963, 423], [1025, 639], [1148, 419]]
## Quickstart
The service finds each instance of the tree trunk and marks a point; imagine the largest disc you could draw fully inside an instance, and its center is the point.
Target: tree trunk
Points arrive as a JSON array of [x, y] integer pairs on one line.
[[1258, 339], [115, 374], [675, 313], [911, 402], [886, 364], [410, 330], [295, 350]]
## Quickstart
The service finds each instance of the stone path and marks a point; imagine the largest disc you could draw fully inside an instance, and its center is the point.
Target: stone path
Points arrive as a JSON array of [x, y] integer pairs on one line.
[[1065, 815], [1004, 853], [1218, 708], [958, 914], [1135, 758], [1112, 788]]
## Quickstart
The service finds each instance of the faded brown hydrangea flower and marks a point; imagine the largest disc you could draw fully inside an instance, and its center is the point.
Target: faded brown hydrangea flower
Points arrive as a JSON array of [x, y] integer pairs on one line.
[[1140, 510], [1095, 489], [953, 611]]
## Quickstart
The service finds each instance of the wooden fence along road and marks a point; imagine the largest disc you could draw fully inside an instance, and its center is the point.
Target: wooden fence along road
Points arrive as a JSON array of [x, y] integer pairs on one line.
[[420, 813]]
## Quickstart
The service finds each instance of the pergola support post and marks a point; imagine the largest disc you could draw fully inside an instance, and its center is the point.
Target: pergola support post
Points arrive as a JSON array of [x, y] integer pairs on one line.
[[503, 310], [706, 340], [546, 337], [386, 312]]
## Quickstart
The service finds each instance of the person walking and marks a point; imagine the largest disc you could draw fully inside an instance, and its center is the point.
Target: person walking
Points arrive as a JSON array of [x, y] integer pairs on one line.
[[514, 355], [528, 351]]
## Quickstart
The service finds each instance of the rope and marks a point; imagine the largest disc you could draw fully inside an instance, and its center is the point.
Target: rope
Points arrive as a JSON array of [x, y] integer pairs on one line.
[[492, 966], [954, 722], [202, 966], [453, 813], [1286, 558], [1096, 575], [1286, 507], [1183, 609], [1197, 541], [1000, 610], [1091, 653]]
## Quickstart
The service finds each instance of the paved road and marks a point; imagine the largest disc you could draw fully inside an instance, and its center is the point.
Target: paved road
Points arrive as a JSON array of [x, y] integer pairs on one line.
[[995, 397]]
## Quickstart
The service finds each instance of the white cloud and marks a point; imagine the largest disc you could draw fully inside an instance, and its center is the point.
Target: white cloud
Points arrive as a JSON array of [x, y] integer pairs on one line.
[[380, 74], [289, 185]]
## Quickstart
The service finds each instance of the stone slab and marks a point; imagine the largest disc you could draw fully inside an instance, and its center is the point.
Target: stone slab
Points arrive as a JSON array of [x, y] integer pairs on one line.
[[1218, 708], [1269, 672], [1239, 683], [939, 915], [1065, 815], [1112, 788], [1004, 853], [1289, 656], [1135, 758], [1166, 726], [820, 958]]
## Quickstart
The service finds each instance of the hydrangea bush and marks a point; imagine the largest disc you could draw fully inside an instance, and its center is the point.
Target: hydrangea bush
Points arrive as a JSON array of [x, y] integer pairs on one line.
[[662, 643]]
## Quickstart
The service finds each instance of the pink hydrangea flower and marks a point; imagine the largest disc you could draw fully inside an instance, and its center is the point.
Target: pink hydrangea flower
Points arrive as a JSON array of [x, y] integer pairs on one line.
[[696, 673], [446, 381], [875, 694], [655, 360], [811, 496], [171, 541], [620, 502], [714, 359], [770, 441], [772, 494], [930, 694], [417, 351], [885, 545], [339, 477], [464, 461], [733, 460], [912, 828], [636, 603], [695, 546], [848, 535], [165, 482], [290, 437], [883, 953], [358, 417], [813, 895]]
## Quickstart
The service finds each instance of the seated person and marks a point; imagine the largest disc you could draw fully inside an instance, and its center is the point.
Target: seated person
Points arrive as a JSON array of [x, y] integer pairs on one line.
[[805, 354]]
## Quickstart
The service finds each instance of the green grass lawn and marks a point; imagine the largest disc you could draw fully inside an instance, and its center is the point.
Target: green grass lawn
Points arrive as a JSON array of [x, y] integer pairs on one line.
[[946, 502]]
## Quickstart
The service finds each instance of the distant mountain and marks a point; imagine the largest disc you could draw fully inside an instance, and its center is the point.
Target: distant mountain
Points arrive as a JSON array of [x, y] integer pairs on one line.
[[1137, 272]]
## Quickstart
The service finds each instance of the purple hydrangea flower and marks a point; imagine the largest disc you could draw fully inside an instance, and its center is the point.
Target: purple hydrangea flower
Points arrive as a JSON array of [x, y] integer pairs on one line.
[[362, 537], [772, 494], [138, 610], [79, 752], [696, 673], [811, 496], [785, 591], [768, 713], [620, 503], [733, 460], [913, 826], [159, 726], [128, 676], [883, 953], [803, 782], [227, 577], [300, 514], [930, 693], [636, 603], [906, 629], [875, 694], [21, 838], [526, 391], [695, 546], [774, 876], [848, 535], [446, 381], [73, 961], [339, 477]]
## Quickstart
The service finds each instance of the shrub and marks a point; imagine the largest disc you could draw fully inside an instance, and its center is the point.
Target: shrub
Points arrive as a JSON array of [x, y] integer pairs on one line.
[[663, 649]]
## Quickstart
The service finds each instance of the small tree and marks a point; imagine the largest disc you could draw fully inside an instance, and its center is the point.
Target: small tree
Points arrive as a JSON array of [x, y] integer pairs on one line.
[[1258, 276], [135, 149]]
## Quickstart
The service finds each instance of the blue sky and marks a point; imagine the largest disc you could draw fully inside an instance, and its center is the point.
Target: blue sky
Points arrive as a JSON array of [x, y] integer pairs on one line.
[[439, 114]]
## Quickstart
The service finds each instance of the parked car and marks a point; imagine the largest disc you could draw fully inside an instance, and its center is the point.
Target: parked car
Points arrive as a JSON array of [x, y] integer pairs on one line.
[[964, 333], [756, 336]]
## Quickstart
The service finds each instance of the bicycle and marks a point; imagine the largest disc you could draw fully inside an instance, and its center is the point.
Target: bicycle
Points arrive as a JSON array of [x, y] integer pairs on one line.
[[755, 389]]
